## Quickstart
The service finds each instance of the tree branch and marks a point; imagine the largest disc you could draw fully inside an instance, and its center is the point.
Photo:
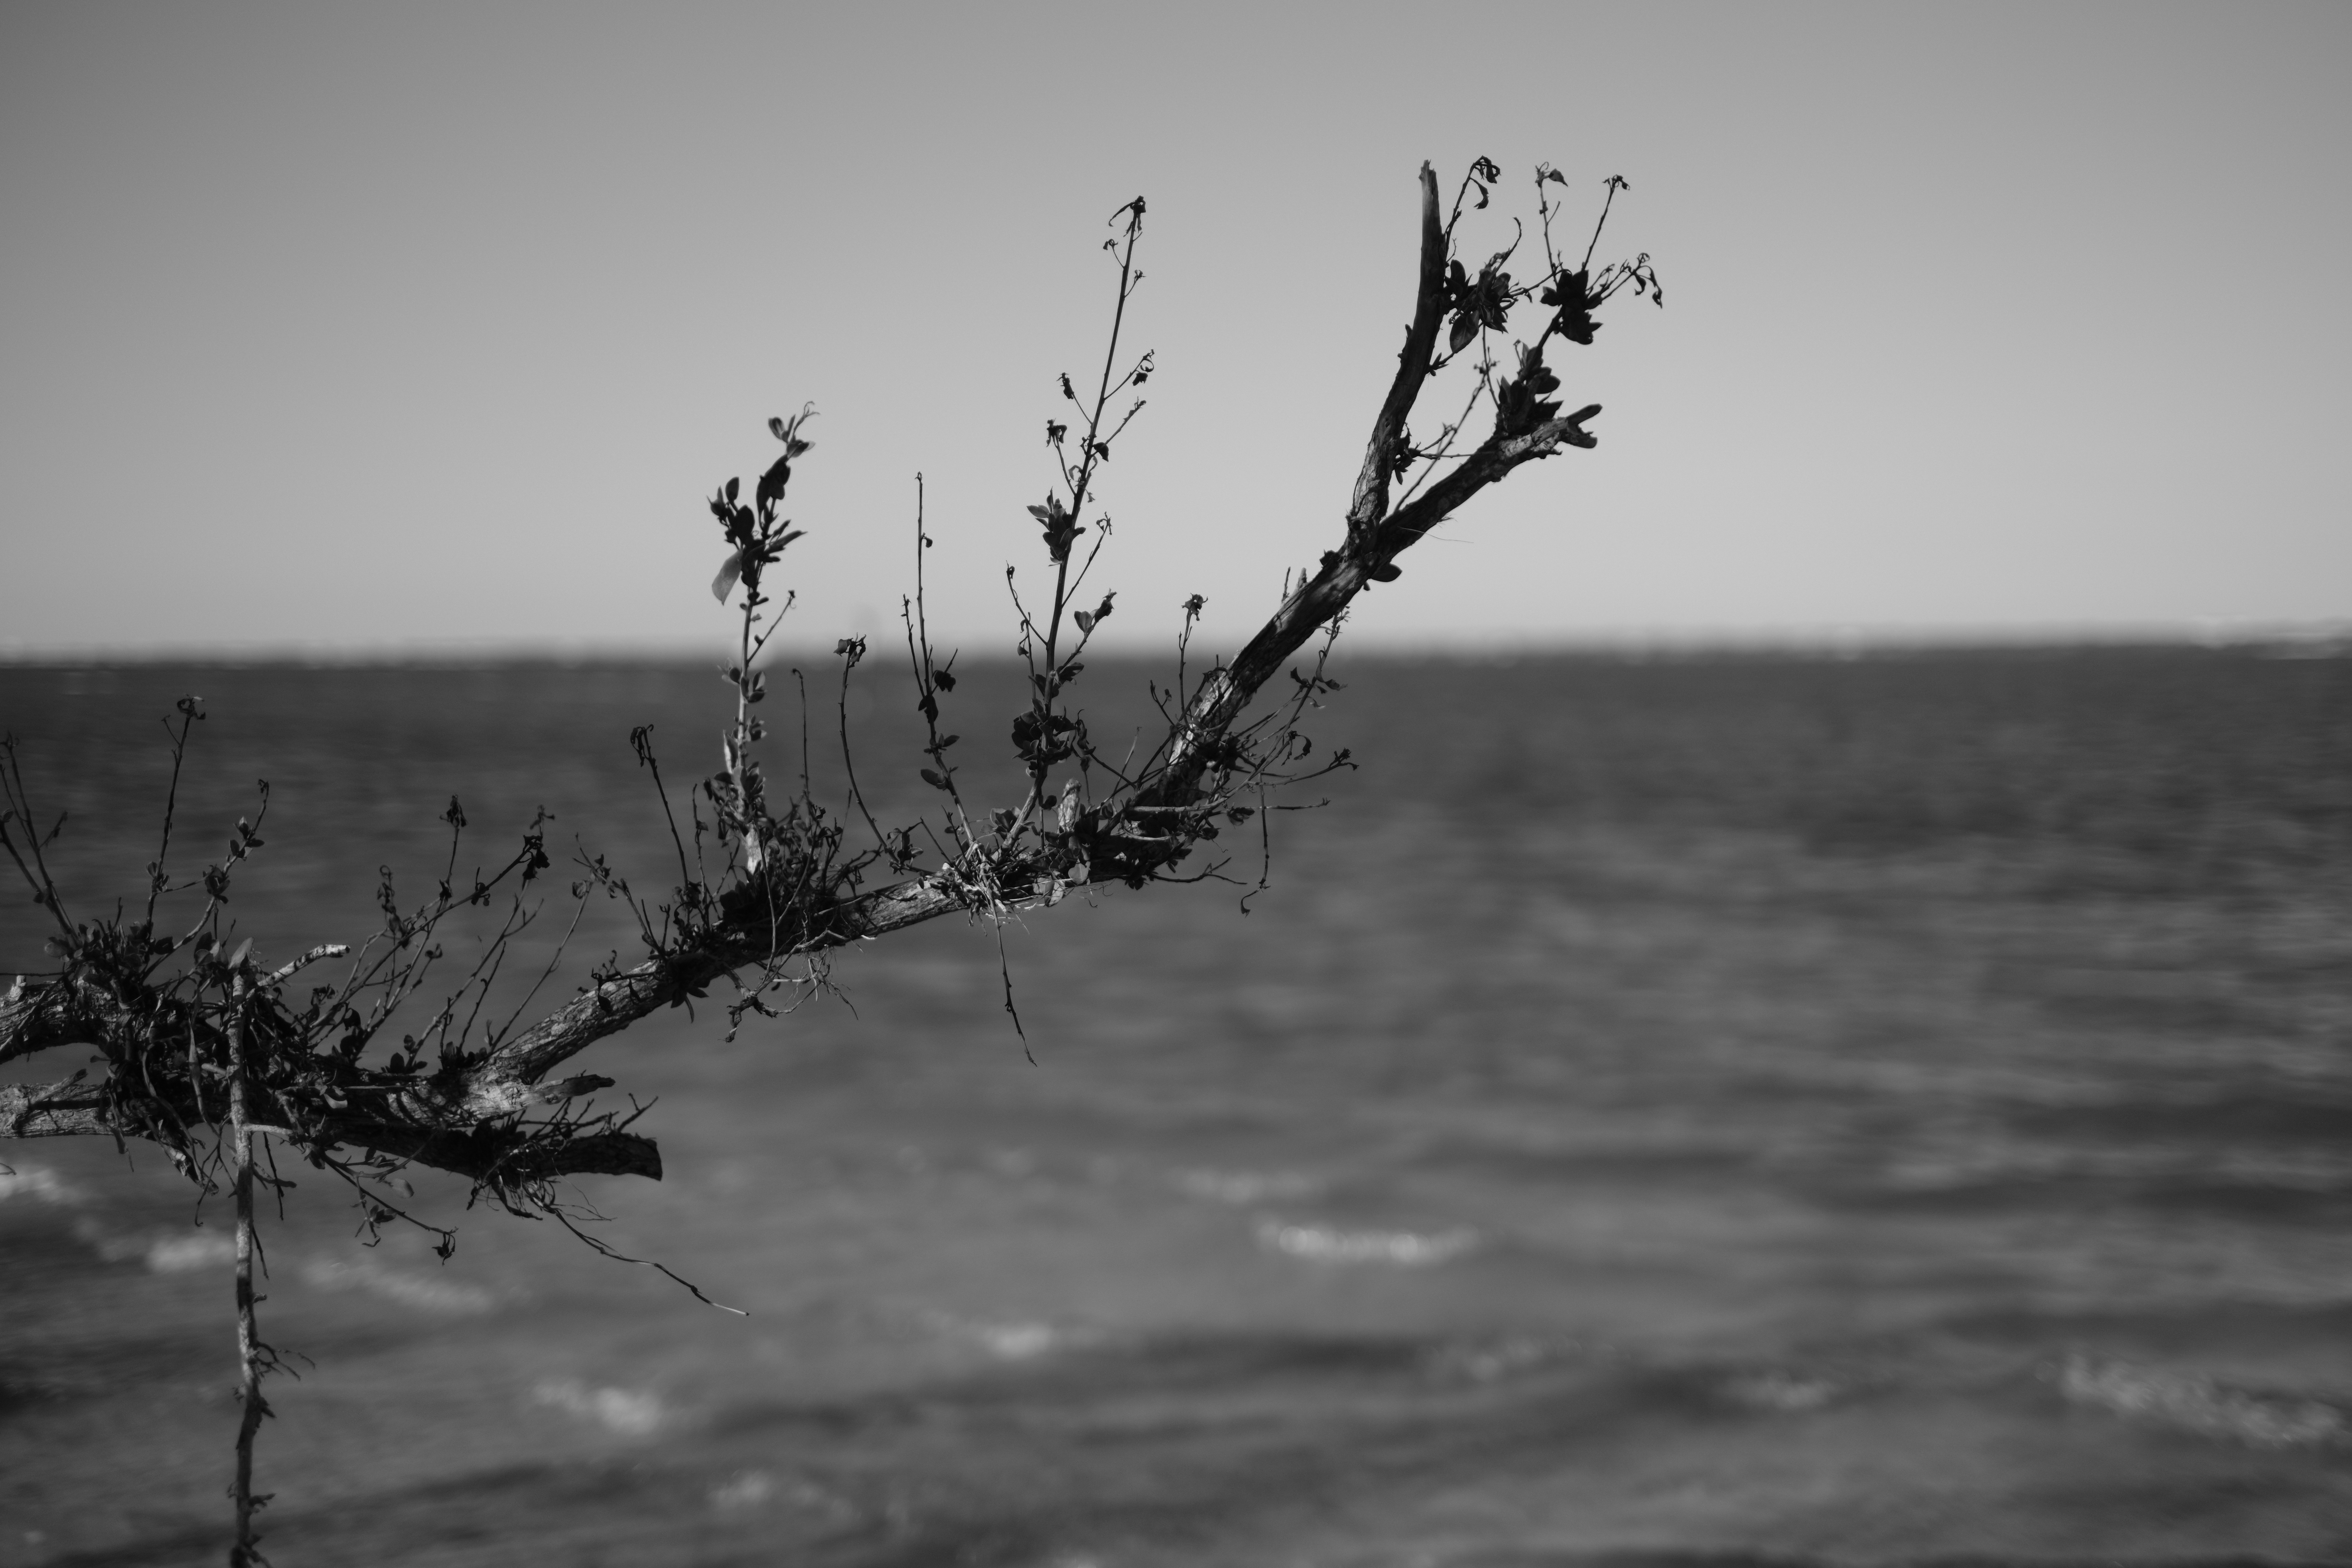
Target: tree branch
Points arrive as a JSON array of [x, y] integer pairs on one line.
[[1371, 498], [470, 1118], [38, 1016], [72, 1109], [482, 1151], [501, 1084]]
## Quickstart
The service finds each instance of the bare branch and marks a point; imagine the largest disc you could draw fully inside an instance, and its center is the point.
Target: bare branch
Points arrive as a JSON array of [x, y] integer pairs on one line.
[[486, 1151], [72, 1109], [1371, 496]]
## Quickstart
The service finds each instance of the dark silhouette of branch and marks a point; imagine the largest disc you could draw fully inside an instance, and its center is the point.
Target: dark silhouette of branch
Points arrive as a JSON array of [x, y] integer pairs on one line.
[[787, 889], [203, 1052]]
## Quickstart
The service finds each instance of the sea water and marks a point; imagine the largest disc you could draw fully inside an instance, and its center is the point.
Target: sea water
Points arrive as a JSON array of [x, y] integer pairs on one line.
[[1724, 1110]]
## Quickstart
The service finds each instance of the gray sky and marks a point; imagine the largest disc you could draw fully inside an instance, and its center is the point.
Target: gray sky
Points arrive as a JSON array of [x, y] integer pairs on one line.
[[404, 326]]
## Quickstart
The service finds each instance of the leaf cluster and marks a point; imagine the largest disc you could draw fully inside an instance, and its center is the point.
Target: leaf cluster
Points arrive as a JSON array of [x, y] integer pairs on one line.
[[172, 1004]]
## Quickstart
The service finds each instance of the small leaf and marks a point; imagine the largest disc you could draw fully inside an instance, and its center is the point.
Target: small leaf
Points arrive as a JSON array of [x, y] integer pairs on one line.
[[932, 779], [729, 570], [772, 483], [1086, 621]]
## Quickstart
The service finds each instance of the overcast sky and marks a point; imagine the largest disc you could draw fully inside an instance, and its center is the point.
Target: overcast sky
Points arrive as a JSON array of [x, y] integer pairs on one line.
[[386, 327]]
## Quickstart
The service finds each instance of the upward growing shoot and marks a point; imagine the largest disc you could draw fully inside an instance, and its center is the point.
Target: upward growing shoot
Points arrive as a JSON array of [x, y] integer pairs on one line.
[[758, 536], [1047, 735]]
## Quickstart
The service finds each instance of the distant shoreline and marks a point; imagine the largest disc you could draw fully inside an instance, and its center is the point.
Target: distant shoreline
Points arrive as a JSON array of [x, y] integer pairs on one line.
[[2324, 642]]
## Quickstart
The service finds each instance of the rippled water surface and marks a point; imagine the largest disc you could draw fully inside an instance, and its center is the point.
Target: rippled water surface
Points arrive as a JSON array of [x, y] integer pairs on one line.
[[1845, 1111]]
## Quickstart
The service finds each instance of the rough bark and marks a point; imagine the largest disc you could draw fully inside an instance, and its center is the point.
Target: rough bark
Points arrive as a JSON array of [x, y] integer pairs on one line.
[[252, 1356]]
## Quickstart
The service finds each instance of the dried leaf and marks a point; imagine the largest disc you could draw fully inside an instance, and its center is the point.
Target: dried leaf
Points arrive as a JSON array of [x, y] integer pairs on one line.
[[729, 570], [1571, 292]]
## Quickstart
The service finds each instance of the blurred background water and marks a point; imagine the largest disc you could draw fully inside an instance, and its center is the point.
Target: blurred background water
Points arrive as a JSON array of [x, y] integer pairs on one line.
[[1717, 1108]]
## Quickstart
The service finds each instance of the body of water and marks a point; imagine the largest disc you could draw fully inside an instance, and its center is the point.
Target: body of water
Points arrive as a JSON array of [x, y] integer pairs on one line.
[[1843, 1111]]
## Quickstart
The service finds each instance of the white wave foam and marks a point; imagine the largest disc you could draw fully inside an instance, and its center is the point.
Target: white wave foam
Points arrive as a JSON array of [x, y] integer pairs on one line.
[[1016, 1340], [178, 1254], [760, 1489], [748, 1490], [1486, 1361], [1240, 1187], [617, 1409], [1781, 1391], [40, 1186], [408, 1290], [172, 1254], [2199, 1405], [1328, 1244]]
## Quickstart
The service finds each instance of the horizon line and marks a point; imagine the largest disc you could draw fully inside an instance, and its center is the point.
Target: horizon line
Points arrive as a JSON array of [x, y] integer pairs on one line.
[[2314, 638]]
